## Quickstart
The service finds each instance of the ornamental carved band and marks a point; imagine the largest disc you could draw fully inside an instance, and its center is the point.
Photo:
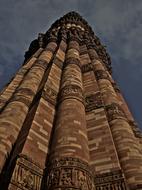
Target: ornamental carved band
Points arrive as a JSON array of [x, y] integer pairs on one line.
[[110, 181], [27, 175], [114, 111], [86, 68], [41, 63], [50, 95], [115, 86], [69, 174], [22, 95], [93, 101], [101, 74], [137, 132], [73, 60], [71, 91]]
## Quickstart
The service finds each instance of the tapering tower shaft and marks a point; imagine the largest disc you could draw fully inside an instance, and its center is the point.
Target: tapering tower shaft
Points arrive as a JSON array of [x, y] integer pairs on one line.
[[64, 123]]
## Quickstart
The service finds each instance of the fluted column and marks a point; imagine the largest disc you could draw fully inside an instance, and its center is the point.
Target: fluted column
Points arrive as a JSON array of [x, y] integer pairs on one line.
[[127, 147], [14, 114], [104, 159], [32, 158], [121, 99], [17, 79], [69, 155], [137, 132]]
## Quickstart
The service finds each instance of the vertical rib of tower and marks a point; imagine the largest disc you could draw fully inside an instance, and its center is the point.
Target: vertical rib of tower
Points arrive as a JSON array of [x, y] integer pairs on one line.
[[128, 148], [20, 102], [69, 154], [64, 123], [41, 125], [16, 80]]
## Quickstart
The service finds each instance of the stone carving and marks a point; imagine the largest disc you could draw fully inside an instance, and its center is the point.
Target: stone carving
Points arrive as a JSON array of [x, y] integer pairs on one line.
[[71, 91], [52, 35], [63, 33], [136, 130], [72, 60], [93, 101], [79, 30], [20, 98], [86, 68], [41, 63], [101, 74], [69, 173], [110, 181], [58, 62], [27, 175], [22, 94], [50, 95], [22, 71], [114, 111], [83, 50], [115, 86], [73, 34]]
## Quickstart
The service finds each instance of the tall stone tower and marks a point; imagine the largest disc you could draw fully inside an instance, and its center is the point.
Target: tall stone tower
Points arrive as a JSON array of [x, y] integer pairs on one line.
[[64, 124]]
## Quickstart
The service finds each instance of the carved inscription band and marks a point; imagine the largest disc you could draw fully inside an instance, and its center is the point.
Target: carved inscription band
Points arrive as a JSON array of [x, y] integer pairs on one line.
[[73, 60], [69, 173], [101, 74], [93, 101], [86, 68], [110, 181], [50, 95], [71, 91], [114, 111], [27, 175]]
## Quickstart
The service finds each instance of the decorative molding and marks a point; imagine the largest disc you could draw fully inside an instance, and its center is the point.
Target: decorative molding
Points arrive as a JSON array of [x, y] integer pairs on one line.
[[136, 130], [72, 60], [115, 86], [42, 63], [101, 74], [20, 98], [49, 95], [58, 62], [114, 111], [63, 33], [51, 35], [27, 174], [73, 35], [71, 91], [112, 180], [93, 101], [69, 173], [22, 71], [22, 95], [86, 68]]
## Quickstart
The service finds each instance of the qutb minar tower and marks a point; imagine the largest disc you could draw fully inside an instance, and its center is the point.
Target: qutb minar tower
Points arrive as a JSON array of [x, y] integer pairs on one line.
[[64, 124]]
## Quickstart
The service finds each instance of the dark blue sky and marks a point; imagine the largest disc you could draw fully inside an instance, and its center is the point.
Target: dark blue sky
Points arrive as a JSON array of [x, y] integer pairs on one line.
[[118, 23]]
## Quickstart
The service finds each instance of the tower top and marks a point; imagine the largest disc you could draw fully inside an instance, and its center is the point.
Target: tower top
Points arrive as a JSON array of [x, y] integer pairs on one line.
[[73, 18], [71, 23]]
